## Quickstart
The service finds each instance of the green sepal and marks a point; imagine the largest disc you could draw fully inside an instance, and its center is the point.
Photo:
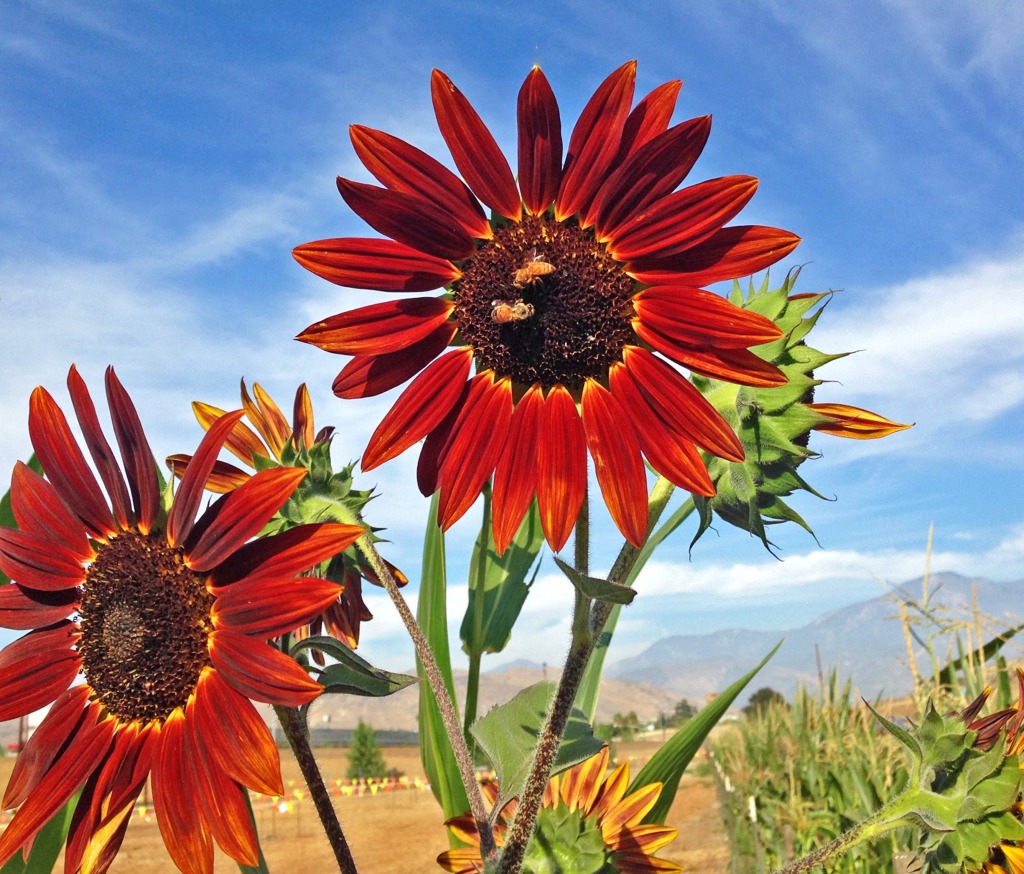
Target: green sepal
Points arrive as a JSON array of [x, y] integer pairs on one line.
[[668, 764], [507, 735], [596, 588], [351, 674]]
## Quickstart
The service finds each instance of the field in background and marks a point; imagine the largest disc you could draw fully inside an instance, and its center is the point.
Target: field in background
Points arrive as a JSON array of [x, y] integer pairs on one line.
[[401, 829]]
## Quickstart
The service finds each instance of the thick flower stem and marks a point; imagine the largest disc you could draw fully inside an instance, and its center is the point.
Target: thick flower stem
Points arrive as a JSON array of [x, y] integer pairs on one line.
[[298, 740], [445, 705]]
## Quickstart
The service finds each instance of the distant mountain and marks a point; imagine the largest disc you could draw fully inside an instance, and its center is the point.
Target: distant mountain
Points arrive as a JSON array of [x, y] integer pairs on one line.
[[864, 641]]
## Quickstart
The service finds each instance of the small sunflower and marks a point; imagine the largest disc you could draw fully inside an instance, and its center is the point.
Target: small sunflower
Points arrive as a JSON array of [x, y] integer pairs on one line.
[[272, 440], [567, 303], [166, 616], [587, 825]]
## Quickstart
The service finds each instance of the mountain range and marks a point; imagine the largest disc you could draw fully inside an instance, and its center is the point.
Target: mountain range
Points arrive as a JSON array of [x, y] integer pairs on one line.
[[865, 642]]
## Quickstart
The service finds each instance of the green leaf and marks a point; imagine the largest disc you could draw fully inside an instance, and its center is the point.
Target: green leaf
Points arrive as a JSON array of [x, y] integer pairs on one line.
[[48, 843], [586, 697], [669, 763], [432, 615], [947, 675], [502, 580], [508, 735], [352, 675], [597, 589]]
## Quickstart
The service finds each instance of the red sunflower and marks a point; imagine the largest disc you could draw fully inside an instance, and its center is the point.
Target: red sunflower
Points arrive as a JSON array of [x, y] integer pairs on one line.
[[567, 303], [166, 616]]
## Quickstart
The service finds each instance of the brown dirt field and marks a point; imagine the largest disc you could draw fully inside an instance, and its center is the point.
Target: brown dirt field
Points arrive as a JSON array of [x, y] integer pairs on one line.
[[402, 830]]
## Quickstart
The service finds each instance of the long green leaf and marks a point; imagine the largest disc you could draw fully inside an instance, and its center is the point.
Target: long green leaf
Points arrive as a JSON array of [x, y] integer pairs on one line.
[[46, 846], [948, 674], [586, 697], [352, 674], [432, 615], [669, 763]]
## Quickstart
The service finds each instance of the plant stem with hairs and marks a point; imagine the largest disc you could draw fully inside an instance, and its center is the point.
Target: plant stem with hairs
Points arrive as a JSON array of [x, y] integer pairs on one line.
[[446, 706]]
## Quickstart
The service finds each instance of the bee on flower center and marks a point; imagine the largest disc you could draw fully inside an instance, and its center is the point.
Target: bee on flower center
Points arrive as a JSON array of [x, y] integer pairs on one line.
[[516, 311], [532, 270]]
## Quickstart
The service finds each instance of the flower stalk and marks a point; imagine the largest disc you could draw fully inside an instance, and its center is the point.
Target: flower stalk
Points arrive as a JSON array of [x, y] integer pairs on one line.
[[298, 740], [444, 702]]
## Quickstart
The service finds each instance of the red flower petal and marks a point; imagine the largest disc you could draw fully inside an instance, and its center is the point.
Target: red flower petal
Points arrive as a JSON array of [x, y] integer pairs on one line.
[[105, 807], [39, 562], [379, 328], [420, 408], [540, 143], [221, 800], [285, 554], [238, 739], [733, 365], [408, 219], [473, 149], [135, 452], [63, 721], [84, 749], [37, 668], [617, 462], [726, 254], [370, 375], [99, 449], [595, 142], [428, 465], [515, 476], [38, 509], [697, 318], [561, 467], [670, 453], [676, 400], [651, 172], [25, 609], [856, 423], [384, 265], [242, 442], [682, 220], [271, 607], [224, 477], [267, 419], [190, 493], [649, 118], [185, 830], [259, 671], [402, 167], [476, 441], [65, 466], [243, 515]]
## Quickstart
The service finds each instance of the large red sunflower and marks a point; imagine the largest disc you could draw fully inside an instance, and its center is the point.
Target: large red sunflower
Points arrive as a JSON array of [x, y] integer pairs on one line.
[[166, 616], [589, 271]]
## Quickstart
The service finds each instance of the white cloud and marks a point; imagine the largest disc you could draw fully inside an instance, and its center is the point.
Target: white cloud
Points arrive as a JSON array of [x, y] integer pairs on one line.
[[940, 349]]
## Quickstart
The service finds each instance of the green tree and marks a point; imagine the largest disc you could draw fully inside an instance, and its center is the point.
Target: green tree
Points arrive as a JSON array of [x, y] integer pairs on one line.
[[364, 756], [684, 710], [762, 699]]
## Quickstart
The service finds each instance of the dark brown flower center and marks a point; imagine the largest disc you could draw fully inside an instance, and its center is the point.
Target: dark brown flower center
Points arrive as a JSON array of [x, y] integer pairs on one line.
[[145, 619], [544, 302]]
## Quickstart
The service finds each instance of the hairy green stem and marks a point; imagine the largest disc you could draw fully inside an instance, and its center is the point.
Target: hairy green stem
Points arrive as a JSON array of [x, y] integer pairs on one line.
[[446, 707], [298, 740]]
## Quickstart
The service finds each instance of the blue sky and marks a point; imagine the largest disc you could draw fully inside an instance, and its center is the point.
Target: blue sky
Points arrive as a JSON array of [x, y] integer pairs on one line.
[[158, 163]]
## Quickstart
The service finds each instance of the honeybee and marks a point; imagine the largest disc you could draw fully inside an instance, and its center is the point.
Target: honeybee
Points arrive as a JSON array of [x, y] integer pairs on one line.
[[532, 270], [517, 311]]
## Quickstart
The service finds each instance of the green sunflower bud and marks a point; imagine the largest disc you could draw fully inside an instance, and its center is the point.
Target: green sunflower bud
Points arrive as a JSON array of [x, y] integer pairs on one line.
[[774, 423], [961, 795]]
